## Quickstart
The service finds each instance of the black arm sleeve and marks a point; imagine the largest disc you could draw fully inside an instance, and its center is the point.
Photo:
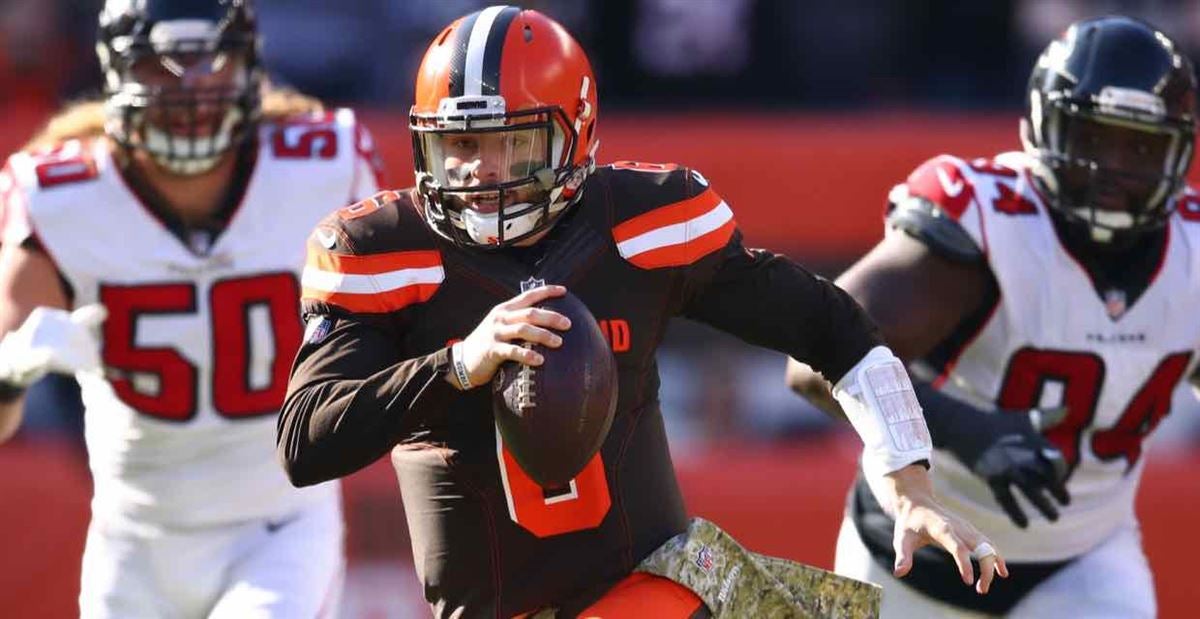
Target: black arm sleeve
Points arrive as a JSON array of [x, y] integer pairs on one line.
[[768, 300], [953, 424], [350, 400]]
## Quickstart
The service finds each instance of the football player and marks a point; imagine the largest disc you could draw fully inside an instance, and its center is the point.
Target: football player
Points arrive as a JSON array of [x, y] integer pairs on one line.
[[414, 298], [1044, 299], [175, 208]]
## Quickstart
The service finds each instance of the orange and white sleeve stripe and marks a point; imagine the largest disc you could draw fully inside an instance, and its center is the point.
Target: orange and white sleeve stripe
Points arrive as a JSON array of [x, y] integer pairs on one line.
[[373, 284], [677, 234]]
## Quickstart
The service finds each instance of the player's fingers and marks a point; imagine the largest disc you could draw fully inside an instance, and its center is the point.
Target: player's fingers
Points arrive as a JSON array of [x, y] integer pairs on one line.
[[533, 297], [1055, 476], [1004, 497], [90, 315], [904, 542], [988, 568], [1045, 419], [537, 316], [1059, 491], [1033, 492], [944, 534], [529, 333], [520, 354]]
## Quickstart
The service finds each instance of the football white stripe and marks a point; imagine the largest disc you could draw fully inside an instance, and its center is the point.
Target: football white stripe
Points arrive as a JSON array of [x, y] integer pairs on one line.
[[676, 234], [473, 71], [329, 281]]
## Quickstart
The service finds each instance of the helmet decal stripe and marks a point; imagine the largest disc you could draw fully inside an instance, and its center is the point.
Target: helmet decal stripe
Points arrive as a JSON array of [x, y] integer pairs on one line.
[[458, 58], [477, 45], [490, 77]]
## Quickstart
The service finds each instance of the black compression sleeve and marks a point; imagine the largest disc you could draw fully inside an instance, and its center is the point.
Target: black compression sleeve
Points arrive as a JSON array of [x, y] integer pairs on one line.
[[770, 301], [350, 399], [953, 423]]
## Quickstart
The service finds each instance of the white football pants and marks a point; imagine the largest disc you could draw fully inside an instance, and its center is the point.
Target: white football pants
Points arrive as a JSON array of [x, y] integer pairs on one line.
[[1113, 581], [290, 568]]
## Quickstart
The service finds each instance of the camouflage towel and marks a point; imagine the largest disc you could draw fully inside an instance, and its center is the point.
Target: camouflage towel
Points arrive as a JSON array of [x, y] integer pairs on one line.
[[735, 582]]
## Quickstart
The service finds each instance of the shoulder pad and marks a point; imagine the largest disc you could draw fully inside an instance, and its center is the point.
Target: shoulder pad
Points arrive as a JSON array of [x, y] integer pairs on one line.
[[326, 135], [666, 215], [29, 178], [925, 221], [376, 256], [943, 181], [1188, 204], [636, 187], [68, 163]]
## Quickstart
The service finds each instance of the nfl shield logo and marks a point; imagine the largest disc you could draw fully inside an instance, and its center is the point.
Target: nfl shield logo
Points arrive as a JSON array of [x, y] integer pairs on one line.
[[704, 559], [1114, 303]]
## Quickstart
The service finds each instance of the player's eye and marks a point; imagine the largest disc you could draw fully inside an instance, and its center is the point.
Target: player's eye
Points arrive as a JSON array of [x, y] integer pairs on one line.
[[464, 145]]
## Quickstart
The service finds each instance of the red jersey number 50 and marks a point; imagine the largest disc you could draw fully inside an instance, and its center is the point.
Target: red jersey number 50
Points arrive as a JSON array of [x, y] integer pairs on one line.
[[168, 381]]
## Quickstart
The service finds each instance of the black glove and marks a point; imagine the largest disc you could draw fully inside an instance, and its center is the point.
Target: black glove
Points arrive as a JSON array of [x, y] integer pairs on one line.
[[1007, 449], [1004, 448]]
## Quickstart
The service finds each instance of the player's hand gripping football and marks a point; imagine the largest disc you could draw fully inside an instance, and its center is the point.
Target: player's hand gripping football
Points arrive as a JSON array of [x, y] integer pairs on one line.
[[500, 335], [1011, 451], [921, 520], [52, 340]]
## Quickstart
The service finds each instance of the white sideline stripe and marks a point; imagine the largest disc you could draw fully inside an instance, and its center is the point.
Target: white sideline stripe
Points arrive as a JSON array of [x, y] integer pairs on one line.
[[473, 72], [330, 281], [676, 234]]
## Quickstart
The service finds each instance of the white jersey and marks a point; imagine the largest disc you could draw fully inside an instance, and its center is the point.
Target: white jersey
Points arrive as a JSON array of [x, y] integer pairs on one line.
[[1053, 340], [199, 339]]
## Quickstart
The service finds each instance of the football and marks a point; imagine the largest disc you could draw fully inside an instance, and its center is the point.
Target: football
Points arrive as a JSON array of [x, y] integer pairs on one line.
[[554, 417]]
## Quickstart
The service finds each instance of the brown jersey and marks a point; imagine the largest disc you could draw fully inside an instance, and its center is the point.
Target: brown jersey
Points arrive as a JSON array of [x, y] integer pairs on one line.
[[385, 295]]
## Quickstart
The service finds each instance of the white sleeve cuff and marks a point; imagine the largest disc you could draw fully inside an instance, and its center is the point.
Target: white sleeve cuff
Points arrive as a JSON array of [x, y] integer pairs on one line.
[[880, 402]]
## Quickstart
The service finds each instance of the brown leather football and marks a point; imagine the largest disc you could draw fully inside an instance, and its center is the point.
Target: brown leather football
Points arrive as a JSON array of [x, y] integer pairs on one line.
[[554, 417]]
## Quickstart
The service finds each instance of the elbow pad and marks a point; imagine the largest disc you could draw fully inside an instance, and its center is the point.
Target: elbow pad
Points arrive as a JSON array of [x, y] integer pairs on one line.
[[880, 402]]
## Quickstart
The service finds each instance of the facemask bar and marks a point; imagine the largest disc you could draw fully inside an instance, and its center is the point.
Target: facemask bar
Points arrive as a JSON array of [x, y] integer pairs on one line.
[[148, 117], [1055, 156], [540, 198]]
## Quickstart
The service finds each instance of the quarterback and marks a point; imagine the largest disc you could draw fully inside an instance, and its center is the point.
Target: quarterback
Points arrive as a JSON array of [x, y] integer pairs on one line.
[[1044, 299], [153, 248], [414, 298]]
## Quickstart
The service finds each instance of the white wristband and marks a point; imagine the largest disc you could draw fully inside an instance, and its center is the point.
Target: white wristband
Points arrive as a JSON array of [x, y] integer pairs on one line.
[[460, 368], [880, 402]]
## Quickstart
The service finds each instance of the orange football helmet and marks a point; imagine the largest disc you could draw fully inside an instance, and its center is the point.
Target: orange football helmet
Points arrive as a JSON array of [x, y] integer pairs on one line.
[[503, 126]]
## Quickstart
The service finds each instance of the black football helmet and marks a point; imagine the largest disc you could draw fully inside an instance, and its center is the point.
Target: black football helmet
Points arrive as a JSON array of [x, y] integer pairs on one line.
[[182, 78], [1111, 123]]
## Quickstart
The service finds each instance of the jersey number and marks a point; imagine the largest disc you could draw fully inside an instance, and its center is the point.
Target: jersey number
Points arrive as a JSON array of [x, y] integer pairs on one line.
[[173, 380], [578, 507], [314, 139], [1008, 202], [1080, 375]]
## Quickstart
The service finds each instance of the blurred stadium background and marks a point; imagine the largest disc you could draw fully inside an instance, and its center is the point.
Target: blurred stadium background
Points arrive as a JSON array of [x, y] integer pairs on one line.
[[801, 113]]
